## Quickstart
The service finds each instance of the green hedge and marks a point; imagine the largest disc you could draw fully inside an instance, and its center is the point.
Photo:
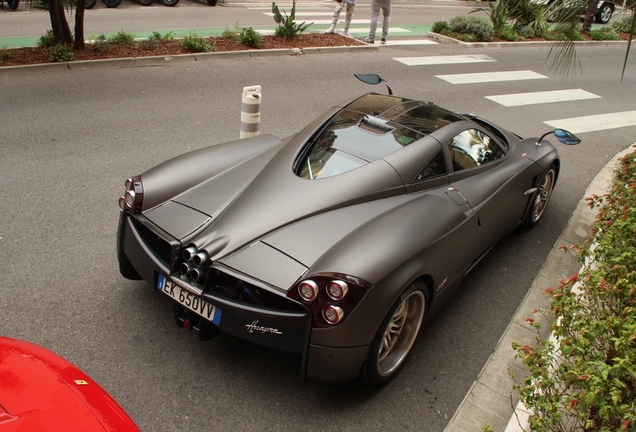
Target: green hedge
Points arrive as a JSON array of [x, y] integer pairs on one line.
[[588, 382]]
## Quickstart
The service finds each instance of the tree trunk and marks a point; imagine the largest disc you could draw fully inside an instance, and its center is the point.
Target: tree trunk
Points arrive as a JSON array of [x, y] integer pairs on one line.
[[56, 23], [79, 24], [590, 11], [59, 25], [68, 36]]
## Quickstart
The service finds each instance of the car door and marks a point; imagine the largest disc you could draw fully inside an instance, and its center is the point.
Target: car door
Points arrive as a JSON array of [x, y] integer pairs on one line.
[[492, 180], [460, 240]]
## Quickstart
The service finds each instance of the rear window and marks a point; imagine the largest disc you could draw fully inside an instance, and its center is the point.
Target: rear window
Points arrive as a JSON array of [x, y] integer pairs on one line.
[[352, 139], [369, 128]]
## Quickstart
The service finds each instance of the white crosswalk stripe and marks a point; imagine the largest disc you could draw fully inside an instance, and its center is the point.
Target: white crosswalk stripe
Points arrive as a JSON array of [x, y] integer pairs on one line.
[[519, 99], [286, 6], [305, 14], [411, 42], [438, 60], [595, 122], [484, 77]]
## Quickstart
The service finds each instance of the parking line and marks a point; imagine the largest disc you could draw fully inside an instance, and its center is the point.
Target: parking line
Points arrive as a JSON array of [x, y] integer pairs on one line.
[[519, 99]]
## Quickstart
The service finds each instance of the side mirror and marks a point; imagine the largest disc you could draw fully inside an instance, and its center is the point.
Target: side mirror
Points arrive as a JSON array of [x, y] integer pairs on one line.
[[566, 137], [563, 136], [373, 79]]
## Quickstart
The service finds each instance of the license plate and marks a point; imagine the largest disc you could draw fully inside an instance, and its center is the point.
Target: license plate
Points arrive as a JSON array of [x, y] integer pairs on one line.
[[188, 300]]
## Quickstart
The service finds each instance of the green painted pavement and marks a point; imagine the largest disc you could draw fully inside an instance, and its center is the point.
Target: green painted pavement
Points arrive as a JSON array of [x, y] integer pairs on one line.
[[21, 42]]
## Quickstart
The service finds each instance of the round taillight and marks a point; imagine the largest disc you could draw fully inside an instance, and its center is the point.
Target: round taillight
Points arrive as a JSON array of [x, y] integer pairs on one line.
[[128, 185], [337, 289], [122, 203], [308, 290], [130, 198], [332, 314]]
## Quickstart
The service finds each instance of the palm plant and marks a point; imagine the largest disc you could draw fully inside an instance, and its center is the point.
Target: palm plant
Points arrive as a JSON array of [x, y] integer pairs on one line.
[[498, 14], [287, 26], [529, 13]]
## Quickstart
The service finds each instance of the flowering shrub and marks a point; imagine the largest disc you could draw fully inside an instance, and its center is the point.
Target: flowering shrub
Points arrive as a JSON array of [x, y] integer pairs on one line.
[[584, 377], [479, 26]]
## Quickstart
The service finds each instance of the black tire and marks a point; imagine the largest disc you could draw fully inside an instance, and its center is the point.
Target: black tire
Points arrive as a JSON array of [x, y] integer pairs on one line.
[[13, 4], [90, 4], [604, 13], [396, 336], [170, 2], [213, 2], [541, 198], [112, 3]]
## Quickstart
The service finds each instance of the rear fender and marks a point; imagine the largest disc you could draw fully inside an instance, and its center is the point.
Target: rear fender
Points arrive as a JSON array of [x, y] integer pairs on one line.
[[391, 252], [181, 173]]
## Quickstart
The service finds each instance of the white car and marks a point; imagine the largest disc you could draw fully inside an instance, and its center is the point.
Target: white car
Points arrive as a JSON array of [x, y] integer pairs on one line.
[[605, 10]]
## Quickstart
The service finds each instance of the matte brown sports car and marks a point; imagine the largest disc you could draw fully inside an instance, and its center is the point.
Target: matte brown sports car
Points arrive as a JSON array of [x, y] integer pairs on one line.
[[334, 243]]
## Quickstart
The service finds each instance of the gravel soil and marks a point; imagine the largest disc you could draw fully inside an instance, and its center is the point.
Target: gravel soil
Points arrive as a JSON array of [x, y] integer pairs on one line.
[[29, 56]]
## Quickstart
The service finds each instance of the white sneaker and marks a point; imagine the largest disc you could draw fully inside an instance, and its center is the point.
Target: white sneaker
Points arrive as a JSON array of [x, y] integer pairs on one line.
[[347, 34], [330, 30]]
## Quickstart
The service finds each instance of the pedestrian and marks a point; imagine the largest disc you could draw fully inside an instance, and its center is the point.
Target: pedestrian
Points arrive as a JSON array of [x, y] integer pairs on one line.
[[336, 14], [376, 5]]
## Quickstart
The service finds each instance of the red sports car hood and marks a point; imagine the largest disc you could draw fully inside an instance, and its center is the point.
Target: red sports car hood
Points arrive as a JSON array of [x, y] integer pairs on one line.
[[263, 194], [40, 391]]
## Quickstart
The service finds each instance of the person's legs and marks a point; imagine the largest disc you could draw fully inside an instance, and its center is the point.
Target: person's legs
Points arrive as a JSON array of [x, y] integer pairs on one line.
[[386, 19], [336, 15], [375, 12], [348, 19]]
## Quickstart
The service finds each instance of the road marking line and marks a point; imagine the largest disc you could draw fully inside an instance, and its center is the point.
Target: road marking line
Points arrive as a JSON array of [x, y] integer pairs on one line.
[[595, 122], [490, 77], [519, 99], [328, 21], [365, 30], [411, 42], [438, 60], [360, 31], [305, 14]]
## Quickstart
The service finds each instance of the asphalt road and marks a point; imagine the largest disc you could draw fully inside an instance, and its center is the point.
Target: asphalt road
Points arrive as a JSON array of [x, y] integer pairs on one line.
[[70, 138]]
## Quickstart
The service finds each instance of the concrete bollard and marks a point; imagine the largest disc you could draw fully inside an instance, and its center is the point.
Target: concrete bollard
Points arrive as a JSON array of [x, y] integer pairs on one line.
[[251, 111]]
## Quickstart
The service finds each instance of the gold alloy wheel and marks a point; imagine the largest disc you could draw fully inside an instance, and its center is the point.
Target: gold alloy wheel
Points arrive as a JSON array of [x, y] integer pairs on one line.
[[401, 332]]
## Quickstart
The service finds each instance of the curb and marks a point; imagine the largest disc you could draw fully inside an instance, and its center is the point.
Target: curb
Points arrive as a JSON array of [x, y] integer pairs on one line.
[[164, 60], [491, 399], [449, 40]]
